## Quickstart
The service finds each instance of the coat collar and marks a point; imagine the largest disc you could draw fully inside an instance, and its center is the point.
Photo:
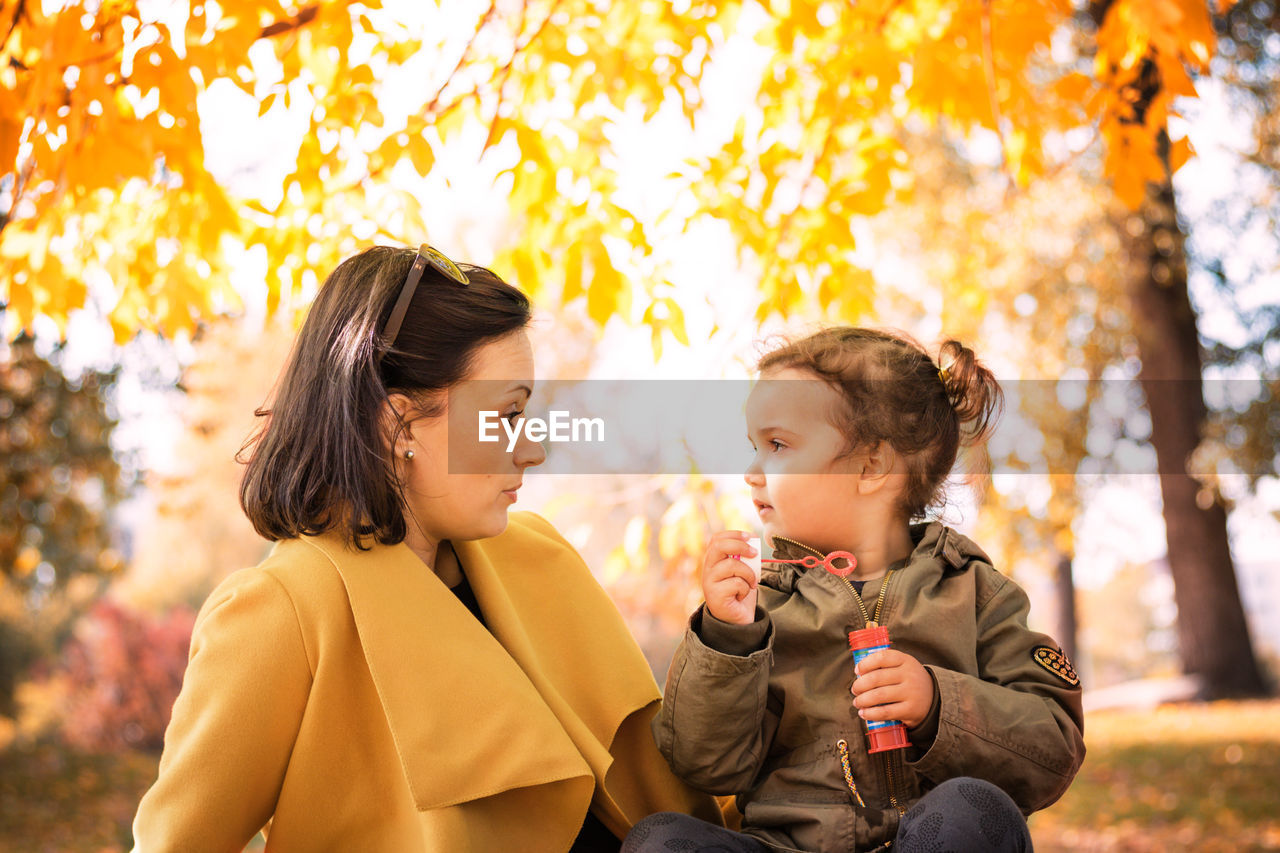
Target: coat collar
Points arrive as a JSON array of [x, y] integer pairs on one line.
[[475, 713], [932, 541]]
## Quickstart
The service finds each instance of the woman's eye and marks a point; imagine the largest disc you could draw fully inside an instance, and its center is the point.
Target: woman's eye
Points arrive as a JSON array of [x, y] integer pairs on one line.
[[512, 417]]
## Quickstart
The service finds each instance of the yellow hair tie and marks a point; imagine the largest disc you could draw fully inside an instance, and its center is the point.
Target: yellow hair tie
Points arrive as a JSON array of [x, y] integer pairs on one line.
[[944, 373]]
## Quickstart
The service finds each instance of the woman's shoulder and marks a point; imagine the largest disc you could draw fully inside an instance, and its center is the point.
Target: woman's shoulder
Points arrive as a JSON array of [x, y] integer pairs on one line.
[[530, 526], [293, 573], [545, 556], [533, 537]]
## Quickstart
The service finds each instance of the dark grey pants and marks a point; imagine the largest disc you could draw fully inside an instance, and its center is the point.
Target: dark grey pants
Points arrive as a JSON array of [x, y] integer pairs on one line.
[[963, 815]]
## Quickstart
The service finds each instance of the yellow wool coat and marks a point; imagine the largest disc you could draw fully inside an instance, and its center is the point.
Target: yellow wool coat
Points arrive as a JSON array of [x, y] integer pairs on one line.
[[351, 700]]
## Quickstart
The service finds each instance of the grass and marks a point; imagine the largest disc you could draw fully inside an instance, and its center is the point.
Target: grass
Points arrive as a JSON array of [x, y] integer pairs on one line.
[[1182, 777], [55, 799], [1185, 777]]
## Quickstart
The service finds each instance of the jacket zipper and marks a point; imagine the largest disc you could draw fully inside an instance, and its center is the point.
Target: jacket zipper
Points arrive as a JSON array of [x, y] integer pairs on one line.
[[893, 784], [869, 620]]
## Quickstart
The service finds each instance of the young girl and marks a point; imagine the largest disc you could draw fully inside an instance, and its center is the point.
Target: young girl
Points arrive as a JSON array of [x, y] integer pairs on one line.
[[855, 431]]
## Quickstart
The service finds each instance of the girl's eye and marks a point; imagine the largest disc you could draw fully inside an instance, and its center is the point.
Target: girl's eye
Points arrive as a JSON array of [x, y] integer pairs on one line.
[[775, 444], [514, 416]]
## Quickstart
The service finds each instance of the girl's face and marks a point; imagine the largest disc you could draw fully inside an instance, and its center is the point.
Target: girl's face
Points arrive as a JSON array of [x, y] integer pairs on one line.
[[802, 484], [456, 486]]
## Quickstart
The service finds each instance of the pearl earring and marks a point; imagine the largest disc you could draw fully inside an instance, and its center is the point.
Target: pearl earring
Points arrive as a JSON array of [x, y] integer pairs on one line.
[[408, 454]]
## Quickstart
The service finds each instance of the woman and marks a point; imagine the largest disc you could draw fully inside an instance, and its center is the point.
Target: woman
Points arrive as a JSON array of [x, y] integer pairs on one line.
[[408, 670]]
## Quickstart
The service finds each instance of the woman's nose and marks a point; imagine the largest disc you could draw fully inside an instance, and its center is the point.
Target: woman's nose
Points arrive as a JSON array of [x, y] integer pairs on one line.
[[528, 452]]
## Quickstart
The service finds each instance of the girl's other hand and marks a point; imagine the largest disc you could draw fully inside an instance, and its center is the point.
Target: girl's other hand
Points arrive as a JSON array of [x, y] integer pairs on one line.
[[729, 585]]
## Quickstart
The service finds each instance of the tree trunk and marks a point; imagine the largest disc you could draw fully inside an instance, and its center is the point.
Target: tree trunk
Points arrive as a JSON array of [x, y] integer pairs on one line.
[[1213, 636], [1212, 632], [1065, 587]]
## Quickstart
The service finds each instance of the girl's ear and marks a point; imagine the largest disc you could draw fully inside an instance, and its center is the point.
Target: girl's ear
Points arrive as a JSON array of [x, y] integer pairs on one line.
[[877, 466]]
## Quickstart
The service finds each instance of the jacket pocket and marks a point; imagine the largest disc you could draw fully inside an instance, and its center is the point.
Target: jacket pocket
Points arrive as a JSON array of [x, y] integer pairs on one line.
[[798, 803]]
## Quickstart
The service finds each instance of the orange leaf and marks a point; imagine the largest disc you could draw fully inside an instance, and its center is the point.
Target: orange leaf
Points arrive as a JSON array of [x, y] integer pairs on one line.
[[1179, 153]]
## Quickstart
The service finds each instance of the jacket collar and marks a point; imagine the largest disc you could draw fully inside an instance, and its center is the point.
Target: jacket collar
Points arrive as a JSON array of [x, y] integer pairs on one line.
[[475, 713], [933, 541]]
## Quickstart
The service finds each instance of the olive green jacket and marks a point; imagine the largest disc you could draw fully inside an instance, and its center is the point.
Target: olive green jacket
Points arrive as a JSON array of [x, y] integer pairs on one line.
[[762, 710]]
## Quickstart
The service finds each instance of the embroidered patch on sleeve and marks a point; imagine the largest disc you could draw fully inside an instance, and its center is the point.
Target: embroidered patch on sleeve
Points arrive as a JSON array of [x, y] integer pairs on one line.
[[1056, 662]]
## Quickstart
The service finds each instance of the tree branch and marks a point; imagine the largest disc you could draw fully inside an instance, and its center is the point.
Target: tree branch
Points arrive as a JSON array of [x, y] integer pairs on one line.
[[506, 69], [434, 103], [884, 19], [18, 11], [305, 16]]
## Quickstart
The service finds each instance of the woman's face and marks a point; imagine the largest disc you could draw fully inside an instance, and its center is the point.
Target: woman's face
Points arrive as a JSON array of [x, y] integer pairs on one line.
[[456, 486]]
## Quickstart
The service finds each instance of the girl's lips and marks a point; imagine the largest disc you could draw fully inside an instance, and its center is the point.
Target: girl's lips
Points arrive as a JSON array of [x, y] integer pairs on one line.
[[511, 493], [762, 508]]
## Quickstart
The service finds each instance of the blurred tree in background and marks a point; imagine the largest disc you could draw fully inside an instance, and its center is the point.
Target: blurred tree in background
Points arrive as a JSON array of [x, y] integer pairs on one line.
[[124, 670], [193, 532], [1213, 634], [1242, 439], [59, 483]]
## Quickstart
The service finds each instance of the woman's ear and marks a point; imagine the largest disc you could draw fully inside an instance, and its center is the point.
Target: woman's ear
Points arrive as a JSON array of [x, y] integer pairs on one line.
[[398, 413], [402, 411]]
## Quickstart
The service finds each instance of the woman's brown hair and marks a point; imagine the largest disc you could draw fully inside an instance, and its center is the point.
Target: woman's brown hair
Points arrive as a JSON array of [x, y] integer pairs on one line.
[[320, 460], [894, 392]]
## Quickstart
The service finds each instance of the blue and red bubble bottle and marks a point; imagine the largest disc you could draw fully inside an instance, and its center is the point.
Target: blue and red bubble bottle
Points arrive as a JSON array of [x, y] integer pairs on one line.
[[882, 735]]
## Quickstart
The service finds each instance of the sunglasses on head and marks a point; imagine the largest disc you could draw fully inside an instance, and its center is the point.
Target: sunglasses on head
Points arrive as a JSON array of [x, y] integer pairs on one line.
[[427, 256]]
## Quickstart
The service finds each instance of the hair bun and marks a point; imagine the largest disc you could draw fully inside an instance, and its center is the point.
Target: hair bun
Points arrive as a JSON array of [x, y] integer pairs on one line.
[[972, 388]]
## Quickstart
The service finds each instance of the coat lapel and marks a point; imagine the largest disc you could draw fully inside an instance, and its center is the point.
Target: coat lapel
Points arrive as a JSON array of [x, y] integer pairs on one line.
[[466, 719], [562, 630]]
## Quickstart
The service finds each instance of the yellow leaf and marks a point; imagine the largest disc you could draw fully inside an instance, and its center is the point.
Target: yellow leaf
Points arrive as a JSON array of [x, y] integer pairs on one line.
[[604, 297], [676, 321], [572, 274], [266, 104], [526, 273]]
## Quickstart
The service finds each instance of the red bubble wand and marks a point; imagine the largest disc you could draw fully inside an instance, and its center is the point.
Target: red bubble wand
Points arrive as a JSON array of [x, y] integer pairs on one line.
[[828, 562]]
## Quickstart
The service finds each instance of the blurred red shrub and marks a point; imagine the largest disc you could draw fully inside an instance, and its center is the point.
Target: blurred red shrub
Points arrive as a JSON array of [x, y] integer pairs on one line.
[[124, 669]]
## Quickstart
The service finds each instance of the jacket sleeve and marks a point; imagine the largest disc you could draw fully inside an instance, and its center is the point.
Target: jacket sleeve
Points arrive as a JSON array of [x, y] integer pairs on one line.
[[234, 722], [1018, 725], [714, 727]]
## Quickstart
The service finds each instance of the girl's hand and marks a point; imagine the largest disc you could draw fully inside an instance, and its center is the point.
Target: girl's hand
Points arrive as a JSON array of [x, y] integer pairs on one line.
[[892, 685], [728, 585]]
